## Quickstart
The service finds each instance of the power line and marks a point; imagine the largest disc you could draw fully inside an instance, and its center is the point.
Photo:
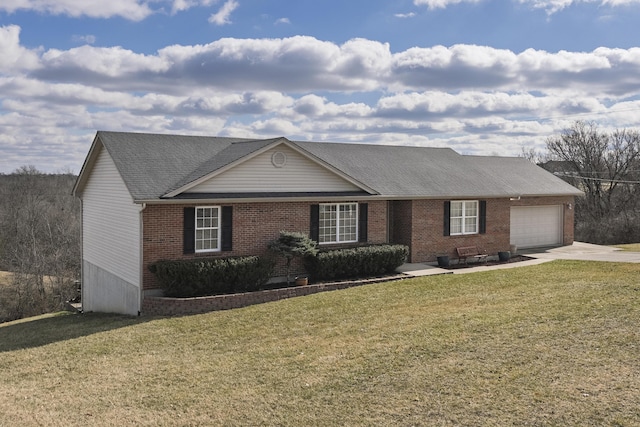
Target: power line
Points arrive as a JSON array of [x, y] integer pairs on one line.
[[588, 178], [601, 172]]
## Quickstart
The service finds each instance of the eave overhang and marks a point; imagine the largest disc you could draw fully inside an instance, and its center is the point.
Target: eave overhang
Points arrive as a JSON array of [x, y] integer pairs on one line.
[[202, 198]]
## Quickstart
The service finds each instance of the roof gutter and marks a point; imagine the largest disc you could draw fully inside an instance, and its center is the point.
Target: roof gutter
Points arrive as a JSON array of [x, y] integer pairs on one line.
[[173, 201]]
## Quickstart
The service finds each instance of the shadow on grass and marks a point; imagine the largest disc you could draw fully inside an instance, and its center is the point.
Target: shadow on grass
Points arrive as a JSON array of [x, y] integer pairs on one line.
[[513, 260], [47, 329]]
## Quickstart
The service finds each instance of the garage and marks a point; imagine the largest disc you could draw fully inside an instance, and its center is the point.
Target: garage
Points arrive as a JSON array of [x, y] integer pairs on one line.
[[533, 226]]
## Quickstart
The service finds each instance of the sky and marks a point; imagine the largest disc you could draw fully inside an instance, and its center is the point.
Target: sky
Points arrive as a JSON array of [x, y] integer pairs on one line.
[[483, 77]]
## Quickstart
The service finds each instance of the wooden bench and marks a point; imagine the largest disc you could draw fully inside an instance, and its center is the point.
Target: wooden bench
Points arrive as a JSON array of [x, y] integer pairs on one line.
[[470, 252]]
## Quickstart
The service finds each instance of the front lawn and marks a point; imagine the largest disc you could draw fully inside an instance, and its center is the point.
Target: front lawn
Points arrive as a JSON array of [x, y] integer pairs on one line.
[[555, 344]]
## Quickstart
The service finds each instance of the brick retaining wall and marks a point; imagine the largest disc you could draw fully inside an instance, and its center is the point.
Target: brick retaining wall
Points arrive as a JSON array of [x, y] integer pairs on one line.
[[164, 306]]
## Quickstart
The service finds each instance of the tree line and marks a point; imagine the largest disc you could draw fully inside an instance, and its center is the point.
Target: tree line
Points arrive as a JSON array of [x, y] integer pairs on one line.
[[606, 167], [39, 242]]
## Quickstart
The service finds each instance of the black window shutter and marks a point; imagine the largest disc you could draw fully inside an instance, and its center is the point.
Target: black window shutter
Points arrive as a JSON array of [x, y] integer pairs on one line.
[[314, 228], [363, 221], [447, 218], [226, 233], [189, 222], [483, 217]]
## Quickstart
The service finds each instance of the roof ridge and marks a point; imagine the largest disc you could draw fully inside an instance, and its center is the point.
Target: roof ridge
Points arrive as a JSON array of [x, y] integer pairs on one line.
[[259, 140]]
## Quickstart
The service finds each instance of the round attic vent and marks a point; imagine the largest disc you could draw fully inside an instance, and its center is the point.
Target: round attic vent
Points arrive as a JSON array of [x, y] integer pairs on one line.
[[279, 159]]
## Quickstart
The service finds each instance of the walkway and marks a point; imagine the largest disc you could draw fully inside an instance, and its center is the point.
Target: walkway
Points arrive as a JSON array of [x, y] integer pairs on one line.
[[578, 251]]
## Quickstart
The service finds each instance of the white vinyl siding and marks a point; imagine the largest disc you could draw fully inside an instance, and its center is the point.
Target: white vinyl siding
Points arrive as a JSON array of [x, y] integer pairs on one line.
[[104, 292], [259, 174], [533, 226], [111, 226], [338, 223]]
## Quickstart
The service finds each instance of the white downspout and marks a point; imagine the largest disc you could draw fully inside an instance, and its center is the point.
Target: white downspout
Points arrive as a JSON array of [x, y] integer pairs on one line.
[[141, 255]]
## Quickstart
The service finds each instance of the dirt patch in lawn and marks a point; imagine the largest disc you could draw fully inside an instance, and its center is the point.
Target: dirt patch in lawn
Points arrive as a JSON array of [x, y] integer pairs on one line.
[[5, 278]]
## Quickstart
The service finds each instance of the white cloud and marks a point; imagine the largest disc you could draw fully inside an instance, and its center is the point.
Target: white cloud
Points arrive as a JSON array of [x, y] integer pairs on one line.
[[405, 15], [441, 4], [89, 39], [225, 105], [470, 104], [223, 15], [549, 6], [282, 21], [134, 10], [303, 64], [476, 99], [15, 58], [182, 5], [620, 2], [297, 63], [275, 127], [100, 61], [316, 107]]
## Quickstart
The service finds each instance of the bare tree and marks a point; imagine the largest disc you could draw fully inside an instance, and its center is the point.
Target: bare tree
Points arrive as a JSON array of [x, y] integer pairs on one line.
[[534, 156], [605, 166], [40, 241]]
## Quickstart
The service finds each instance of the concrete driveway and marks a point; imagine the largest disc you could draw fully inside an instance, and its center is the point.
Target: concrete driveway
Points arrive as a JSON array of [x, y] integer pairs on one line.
[[584, 252], [578, 251]]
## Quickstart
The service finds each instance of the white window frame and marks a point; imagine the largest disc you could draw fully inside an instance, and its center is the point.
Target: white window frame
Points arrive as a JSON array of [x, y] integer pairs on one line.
[[463, 218], [214, 227], [339, 221]]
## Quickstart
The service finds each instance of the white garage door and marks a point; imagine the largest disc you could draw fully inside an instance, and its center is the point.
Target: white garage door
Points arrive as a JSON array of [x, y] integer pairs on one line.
[[533, 226]]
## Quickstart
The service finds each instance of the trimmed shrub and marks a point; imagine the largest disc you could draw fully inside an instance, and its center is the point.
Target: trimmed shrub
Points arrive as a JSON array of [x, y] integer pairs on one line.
[[212, 276], [291, 245], [364, 261]]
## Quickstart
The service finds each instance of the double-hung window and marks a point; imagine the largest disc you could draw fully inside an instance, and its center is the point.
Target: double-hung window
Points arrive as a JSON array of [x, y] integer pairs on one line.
[[464, 217], [207, 229], [338, 223]]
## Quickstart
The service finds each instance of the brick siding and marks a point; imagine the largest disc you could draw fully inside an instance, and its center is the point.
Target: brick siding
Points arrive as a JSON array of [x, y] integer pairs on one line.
[[416, 223], [419, 224], [254, 226]]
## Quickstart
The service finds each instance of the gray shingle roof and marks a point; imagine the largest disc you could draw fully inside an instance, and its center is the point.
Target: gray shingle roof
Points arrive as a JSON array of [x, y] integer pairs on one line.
[[401, 171], [153, 165], [518, 176]]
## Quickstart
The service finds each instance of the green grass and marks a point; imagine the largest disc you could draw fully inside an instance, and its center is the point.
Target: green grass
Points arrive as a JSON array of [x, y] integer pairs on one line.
[[550, 345], [631, 247]]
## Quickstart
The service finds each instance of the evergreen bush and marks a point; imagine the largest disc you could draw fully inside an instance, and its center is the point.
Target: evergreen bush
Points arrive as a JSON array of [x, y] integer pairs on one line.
[[364, 261], [291, 244], [212, 276]]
